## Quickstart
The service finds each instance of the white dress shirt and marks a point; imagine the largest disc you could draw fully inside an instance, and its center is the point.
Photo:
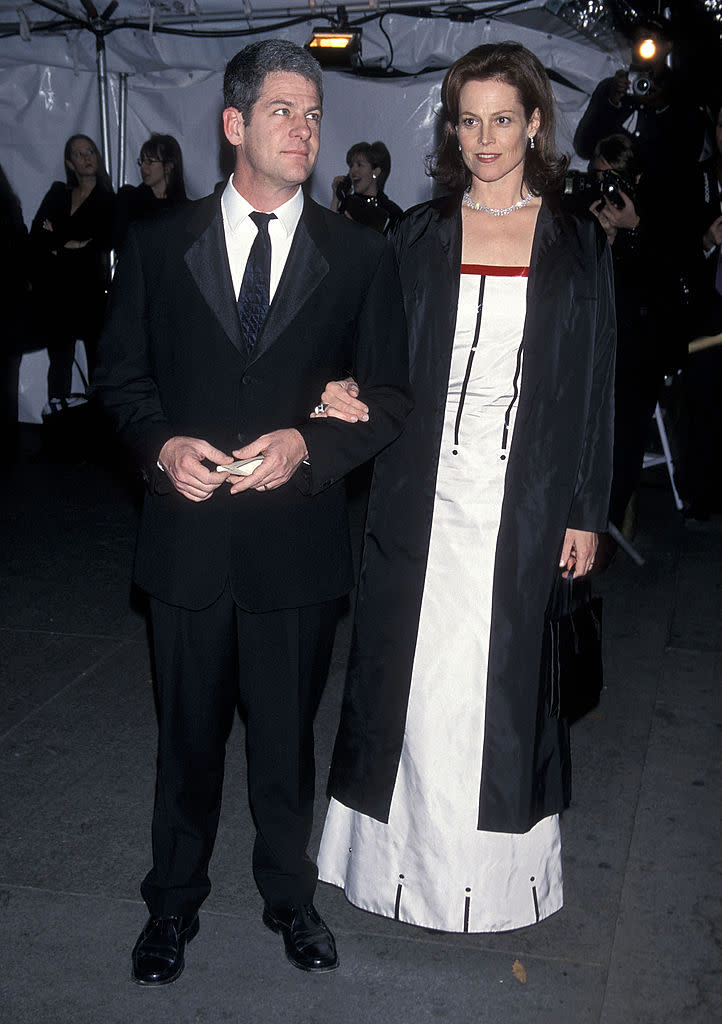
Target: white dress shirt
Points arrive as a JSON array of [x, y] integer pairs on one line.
[[240, 232]]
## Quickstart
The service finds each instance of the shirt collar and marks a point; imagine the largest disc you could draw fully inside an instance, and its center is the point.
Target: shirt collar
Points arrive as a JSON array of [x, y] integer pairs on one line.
[[236, 209]]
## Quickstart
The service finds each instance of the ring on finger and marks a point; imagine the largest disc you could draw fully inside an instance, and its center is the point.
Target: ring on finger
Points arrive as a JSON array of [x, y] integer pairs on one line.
[[321, 408]]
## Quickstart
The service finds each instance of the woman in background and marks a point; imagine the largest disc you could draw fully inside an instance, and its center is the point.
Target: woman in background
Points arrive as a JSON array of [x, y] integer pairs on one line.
[[163, 185], [359, 195], [450, 770], [70, 242], [13, 302]]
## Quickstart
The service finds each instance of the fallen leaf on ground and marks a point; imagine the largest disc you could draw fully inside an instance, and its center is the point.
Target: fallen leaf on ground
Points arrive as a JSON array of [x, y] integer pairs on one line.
[[519, 971]]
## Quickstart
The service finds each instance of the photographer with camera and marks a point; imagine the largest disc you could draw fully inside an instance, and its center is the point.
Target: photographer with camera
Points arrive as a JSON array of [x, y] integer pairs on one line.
[[359, 195], [647, 101], [646, 283]]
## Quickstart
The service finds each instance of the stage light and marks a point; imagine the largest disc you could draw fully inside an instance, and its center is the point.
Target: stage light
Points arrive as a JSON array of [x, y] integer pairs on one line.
[[646, 49], [340, 48]]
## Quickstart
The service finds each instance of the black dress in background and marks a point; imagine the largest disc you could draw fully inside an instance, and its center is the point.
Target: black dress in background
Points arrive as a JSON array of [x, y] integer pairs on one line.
[[138, 203], [377, 212], [70, 285]]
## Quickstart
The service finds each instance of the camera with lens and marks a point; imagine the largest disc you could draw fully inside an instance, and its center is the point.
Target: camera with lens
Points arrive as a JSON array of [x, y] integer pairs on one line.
[[641, 83], [605, 185], [646, 56]]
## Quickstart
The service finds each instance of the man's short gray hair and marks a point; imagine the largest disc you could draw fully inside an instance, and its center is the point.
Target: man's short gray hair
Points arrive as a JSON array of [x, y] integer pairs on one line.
[[246, 72]]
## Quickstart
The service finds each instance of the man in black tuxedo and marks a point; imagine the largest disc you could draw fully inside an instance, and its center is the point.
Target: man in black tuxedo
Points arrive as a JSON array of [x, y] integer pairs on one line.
[[244, 573]]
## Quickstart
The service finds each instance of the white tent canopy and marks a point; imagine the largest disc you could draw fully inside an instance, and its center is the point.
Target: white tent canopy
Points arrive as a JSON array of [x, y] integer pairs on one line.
[[171, 83]]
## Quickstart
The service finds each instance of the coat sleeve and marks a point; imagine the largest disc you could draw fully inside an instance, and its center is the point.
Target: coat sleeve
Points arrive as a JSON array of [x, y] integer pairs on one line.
[[590, 505], [52, 208], [381, 368], [123, 381], [601, 118]]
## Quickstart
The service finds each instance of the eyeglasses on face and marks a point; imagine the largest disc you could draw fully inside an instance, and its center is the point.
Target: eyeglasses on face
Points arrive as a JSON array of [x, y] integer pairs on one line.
[[148, 160]]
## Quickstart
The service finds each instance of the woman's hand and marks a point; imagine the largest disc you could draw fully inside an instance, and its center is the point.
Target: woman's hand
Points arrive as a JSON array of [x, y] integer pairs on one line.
[[47, 226], [578, 552], [340, 400], [713, 235], [337, 182], [74, 243]]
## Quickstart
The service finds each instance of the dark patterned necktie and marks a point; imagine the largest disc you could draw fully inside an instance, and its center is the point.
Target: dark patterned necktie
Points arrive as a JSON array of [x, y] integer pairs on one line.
[[253, 298]]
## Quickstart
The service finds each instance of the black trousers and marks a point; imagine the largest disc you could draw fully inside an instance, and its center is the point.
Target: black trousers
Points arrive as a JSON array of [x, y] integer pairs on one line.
[[275, 664]]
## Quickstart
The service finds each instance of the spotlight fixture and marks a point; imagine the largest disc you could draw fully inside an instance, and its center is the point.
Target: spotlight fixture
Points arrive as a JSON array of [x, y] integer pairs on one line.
[[646, 49], [338, 46]]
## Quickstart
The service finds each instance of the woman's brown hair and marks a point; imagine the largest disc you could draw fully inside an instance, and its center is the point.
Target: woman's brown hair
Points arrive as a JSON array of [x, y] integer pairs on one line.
[[544, 166]]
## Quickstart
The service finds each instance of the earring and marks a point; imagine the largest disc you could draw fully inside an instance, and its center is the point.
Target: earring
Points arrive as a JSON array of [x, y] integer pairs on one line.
[[531, 142], [373, 176], [459, 147]]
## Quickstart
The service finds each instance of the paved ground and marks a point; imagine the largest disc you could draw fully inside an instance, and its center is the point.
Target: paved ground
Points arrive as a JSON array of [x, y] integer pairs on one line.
[[638, 941]]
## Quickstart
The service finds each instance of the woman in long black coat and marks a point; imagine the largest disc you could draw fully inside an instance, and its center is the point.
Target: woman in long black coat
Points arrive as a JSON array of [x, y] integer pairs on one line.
[[448, 774], [70, 242]]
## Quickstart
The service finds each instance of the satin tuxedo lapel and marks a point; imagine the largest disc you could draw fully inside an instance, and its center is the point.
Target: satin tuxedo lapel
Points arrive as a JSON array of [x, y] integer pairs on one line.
[[305, 269], [207, 260]]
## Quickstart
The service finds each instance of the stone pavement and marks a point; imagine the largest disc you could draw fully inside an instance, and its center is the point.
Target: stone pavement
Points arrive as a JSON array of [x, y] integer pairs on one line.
[[638, 941]]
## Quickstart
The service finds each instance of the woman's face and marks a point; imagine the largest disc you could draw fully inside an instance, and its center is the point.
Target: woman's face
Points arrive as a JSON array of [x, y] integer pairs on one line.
[[492, 130], [153, 171], [83, 159], [362, 178]]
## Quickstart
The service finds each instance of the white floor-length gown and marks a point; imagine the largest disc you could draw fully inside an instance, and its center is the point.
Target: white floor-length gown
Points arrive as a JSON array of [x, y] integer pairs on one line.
[[430, 865]]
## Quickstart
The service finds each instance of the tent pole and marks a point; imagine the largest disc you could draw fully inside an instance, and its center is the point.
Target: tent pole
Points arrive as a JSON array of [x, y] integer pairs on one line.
[[122, 124], [103, 97]]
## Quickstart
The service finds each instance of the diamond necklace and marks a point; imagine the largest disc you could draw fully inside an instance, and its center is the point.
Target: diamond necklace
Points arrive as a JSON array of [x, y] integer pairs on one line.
[[468, 201]]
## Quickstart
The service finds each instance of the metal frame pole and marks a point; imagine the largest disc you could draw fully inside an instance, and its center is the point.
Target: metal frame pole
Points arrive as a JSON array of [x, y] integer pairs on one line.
[[122, 124], [103, 97]]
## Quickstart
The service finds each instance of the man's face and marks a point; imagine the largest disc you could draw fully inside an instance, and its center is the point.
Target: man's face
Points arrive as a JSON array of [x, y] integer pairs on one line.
[[279, 144]]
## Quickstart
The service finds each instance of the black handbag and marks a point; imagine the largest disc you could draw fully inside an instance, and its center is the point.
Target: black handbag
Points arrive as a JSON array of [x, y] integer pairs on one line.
[[571, 664], [71, 426]]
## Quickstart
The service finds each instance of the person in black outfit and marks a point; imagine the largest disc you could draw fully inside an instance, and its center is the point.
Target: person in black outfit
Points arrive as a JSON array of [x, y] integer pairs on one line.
[[359, 195], [163, 186], [13, 298], [645, 278], [70, 242], [703, 377], [664, 121], [224, 320]]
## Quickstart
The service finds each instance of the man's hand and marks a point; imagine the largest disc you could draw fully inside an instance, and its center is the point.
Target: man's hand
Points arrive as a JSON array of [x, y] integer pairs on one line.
[[181, 458], [618, 86], [713, 234], [613, 219], [578, 552], [283, 452], [342, 402]]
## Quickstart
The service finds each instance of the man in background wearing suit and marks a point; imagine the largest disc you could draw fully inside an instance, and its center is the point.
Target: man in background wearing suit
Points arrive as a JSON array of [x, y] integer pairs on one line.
[[225, 323]]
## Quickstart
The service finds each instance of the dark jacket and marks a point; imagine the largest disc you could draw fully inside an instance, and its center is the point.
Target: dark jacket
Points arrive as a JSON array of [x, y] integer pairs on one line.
[[675, 126], [138, 202], [69, 285], [558, 475], [172, 363]]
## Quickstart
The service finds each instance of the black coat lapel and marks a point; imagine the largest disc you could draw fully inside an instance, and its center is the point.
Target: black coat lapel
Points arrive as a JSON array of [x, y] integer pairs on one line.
[[306, 267], [207, 260]]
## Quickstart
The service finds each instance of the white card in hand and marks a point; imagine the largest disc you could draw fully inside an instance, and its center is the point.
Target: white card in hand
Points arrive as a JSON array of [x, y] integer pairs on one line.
[[242, 467]]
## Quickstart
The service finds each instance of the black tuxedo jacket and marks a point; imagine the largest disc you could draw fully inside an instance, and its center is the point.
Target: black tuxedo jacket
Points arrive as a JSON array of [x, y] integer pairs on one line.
[[172, 363]]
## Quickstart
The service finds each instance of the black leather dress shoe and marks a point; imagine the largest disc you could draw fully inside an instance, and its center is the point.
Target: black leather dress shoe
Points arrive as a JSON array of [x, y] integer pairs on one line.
[[310, 946], [158, 953]]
